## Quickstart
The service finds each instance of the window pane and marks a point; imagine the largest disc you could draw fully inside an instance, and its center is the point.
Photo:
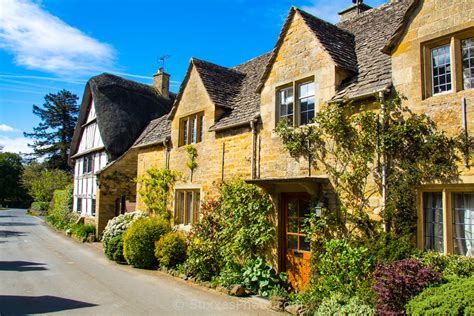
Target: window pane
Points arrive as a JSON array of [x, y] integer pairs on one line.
[[201, 131], [189, 208], [306, 102], [293, 225], [286, 104], [468, 62], [292, 242], [304, 243], [433, 221], [441, 69], [193, 122], [463, 223]]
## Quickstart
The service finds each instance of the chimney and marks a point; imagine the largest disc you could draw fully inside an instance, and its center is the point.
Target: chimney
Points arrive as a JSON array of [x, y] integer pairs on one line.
[[161, 82], [354, 10]]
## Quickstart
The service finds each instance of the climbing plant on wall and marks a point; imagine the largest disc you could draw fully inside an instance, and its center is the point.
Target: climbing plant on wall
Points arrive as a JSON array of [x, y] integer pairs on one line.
[[347, 142], [155, 189]]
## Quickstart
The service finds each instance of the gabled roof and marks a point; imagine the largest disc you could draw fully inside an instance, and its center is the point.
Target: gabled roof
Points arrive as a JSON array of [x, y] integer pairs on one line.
[[372, 30], [123, 110], [233, 89], [338, 43], [157, 131]]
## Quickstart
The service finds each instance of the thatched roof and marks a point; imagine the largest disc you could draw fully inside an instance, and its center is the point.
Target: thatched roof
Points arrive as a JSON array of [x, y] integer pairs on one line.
[[123, 110]]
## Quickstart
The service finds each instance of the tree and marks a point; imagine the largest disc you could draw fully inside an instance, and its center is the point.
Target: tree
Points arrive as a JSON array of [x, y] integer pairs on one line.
[[11, 168], [54, 133], [41, 182]]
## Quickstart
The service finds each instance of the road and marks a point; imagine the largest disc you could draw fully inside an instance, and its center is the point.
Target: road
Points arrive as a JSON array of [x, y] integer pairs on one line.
[[42, 271]]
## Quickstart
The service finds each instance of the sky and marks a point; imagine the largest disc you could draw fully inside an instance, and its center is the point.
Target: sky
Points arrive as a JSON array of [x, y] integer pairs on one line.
[[49, 45]]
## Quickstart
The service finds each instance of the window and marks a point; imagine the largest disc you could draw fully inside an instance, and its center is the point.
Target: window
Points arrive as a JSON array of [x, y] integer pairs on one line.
[[300, 113], [285, 101], [433, 221], [298, 212], [447, 223], [449, 63], [467, 46], [187, 203], [87, 164], [463, 223], [441, 69], [93, 207], [191, 129], [79, 205]]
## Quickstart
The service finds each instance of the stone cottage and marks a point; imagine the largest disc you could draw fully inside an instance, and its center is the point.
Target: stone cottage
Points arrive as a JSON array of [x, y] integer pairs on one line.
[[421, 49]]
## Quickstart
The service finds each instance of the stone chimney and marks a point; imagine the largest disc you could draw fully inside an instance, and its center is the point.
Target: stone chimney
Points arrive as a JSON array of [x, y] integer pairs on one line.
[[161, 82], [352, 11]]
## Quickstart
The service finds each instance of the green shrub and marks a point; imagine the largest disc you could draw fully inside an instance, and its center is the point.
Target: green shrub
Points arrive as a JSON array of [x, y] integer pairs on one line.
[[115, 230], [204, 256], [261, 278], [139, 241], [60, 213], [39, 207], [339, 304], [82, 230], [114, 249], [170, 250], [342, 267], [448, 265], [388, 247], [452, 298]]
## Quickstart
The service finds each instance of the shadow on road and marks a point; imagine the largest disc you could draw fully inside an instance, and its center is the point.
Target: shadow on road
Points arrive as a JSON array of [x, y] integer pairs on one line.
[[20, 305], [3, 216], [21, 266], [17, 224], [11, 233]]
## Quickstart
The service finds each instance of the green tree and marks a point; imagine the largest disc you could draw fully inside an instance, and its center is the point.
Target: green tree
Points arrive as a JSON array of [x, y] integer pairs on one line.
[[41, 182], [54, 133], [11, 168]]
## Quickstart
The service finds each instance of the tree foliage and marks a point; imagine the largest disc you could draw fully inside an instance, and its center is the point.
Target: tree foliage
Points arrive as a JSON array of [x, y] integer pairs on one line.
[[54, 133], [11, 168], [41, 182]]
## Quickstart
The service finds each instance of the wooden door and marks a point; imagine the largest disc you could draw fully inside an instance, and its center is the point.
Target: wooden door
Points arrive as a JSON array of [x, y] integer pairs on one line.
[[296, 246]]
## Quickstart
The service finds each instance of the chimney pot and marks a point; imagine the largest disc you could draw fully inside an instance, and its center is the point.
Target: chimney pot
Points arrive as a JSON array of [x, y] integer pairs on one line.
[[354, 10]]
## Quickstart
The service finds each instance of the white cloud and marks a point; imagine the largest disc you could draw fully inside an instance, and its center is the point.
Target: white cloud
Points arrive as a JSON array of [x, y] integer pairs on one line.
[[6, 128], [15, 144], [41, 41]]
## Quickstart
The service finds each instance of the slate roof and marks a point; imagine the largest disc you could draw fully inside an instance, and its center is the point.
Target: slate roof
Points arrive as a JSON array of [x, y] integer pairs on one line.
[[123, 110], [337, 42], [246, 103], [372, 30], [156, 132]]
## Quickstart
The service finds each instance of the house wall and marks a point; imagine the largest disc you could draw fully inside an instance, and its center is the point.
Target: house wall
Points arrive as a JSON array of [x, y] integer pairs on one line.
[[434, 23], [148, 157]]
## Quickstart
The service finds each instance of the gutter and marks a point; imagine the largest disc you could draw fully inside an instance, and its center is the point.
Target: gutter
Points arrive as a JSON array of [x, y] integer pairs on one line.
[[385, 89], [218, 129], [253, 126], [158, 142], [83, 153]]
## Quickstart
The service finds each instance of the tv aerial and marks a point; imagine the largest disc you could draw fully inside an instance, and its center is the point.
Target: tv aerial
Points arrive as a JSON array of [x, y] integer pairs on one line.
[[162, 61]]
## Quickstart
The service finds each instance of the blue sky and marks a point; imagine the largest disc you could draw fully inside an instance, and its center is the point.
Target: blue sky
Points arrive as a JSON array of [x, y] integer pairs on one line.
[[49, 45]]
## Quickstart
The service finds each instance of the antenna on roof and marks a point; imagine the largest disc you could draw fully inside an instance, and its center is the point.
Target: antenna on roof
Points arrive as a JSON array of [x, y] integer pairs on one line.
[[162, 61], [357, 1]]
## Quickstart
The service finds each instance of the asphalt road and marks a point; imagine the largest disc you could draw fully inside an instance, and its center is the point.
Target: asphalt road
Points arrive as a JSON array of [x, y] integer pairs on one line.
[[42, 271]]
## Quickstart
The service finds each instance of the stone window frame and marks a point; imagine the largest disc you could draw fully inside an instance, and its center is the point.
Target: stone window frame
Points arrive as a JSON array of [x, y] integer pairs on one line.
[[447, 205], [193, 135], [454, 42], [183, 215], [296, 97]]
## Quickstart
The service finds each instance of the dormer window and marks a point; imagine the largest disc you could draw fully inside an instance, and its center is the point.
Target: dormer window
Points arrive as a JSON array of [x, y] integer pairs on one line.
[[191, 129], [303, 111]]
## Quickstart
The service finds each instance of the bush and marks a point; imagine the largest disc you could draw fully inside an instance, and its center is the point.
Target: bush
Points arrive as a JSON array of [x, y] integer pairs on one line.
[[39, 207], [261, 278], [398, 282], [388, 247], [114, 230], [342, 267], [452, 298], [114, 249], [170, 250], [204, 257], [448, 265], [82, 230], [139, 241], [339, 304], [60, 213]]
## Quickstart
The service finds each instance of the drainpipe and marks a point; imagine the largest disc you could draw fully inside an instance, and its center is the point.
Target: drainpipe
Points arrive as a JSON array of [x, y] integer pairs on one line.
[[254, 143], [384, 156], [166, 145], [465, 132]]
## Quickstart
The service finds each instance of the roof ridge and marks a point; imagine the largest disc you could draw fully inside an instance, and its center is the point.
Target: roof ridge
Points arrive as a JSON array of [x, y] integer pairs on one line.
[[370, 11], [214, 64]]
